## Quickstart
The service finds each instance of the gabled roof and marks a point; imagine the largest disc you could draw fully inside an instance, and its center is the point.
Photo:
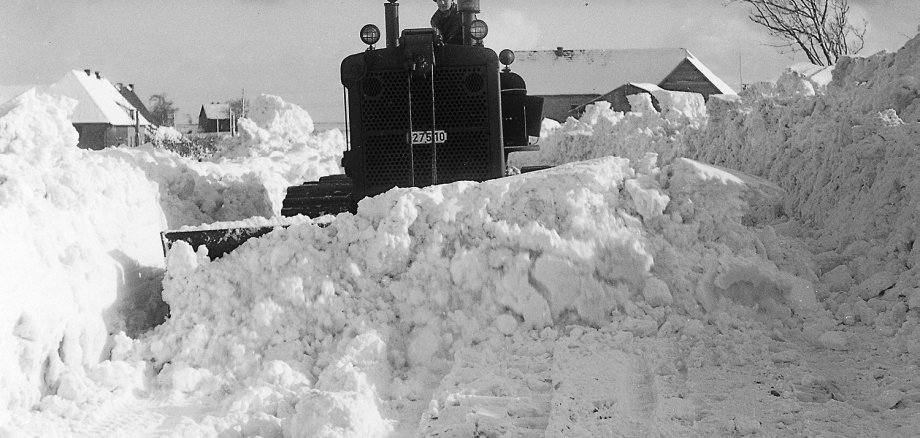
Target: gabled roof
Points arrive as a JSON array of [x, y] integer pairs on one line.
[[650, 88], [97, 100], [646, 87], [717, 81], [128, 93], [216, 111], [557, 72]]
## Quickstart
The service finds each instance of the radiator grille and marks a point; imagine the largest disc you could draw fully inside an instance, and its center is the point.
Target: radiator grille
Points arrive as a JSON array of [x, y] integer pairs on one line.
[[461, 110]]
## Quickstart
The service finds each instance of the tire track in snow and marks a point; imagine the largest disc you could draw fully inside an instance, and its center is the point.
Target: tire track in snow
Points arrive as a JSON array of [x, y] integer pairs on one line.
[[119, 418], [487, 393], [600, 390], [137, 418]]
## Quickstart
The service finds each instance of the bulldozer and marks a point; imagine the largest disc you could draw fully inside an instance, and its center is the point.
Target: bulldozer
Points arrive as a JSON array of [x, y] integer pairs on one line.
[[419, 112]]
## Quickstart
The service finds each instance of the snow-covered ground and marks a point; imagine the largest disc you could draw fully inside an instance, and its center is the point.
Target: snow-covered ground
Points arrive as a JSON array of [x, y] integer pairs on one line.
[[740, 267]]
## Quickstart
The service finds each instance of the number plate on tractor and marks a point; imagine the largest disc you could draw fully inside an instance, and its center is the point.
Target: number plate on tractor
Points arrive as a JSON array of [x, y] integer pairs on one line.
[[424, 137]]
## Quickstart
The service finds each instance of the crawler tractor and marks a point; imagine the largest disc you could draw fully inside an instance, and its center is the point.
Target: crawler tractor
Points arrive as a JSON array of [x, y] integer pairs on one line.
[[419, 112]]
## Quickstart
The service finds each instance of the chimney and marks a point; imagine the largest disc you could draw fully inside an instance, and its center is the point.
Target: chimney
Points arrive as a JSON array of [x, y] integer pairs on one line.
[[88, 72], [118, 86], [130, 87], [559, 51], [98, 75]]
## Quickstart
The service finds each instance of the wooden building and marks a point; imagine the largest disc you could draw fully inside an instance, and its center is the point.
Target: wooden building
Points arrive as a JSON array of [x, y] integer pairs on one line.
[[102, 117], [570, 79], [216, 117]]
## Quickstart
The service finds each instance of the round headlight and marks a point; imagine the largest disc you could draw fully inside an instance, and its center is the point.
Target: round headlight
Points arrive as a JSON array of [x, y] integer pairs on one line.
[[478, 29], [370, 34], [506, 57]]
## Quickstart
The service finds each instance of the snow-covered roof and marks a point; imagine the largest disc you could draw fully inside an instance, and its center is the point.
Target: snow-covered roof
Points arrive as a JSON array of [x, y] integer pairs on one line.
[[97, 100], [715, 80], [645, 86], [131, 96], [555, 72], [216, 111]]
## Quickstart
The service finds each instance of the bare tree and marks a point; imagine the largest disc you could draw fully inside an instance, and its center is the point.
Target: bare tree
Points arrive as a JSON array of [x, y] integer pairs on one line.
[[162, 110], [238, 106], [819, 28]]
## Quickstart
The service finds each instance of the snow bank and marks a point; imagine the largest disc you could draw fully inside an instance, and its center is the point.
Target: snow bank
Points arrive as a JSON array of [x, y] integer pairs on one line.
[[428, 272], [278, 139], [602, 132], [328, 330], [73, 227], [847, 158], [277, 148], [83, 260]]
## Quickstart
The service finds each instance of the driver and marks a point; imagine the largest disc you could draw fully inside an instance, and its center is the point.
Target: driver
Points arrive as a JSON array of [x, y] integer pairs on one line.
[[448, 22]]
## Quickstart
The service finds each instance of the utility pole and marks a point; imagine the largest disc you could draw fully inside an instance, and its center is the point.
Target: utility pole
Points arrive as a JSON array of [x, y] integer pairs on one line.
[[740, 72]]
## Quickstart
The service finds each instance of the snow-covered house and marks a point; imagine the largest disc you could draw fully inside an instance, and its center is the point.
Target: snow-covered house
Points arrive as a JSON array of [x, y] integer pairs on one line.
[[215, 117], [569, 79], [128, 92], [102, 117]]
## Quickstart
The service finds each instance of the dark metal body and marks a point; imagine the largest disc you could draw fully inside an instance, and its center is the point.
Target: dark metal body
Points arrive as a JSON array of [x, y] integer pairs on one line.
[[414, 84], [422, 86]]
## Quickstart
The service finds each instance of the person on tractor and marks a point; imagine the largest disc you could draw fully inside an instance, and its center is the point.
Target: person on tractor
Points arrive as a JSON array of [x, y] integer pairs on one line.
[[448, 21]]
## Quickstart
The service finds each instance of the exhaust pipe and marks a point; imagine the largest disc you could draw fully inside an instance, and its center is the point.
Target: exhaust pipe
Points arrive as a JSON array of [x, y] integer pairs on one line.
[[391, 12], [468, 10]]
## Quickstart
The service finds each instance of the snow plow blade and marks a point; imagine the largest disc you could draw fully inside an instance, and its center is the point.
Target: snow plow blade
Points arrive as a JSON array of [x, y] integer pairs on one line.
[[218, 242], [330, 195]]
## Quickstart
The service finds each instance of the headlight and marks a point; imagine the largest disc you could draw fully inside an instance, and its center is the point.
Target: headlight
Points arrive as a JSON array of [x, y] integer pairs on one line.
[[478, 30], [506, 57], [370, 34]]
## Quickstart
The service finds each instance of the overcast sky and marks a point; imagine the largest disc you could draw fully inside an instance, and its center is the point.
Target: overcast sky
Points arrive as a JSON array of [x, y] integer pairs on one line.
[[199, 51]]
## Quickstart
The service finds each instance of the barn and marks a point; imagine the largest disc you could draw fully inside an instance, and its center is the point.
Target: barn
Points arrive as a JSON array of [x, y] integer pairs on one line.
[[102, 117], [215, 117], [570, 79]]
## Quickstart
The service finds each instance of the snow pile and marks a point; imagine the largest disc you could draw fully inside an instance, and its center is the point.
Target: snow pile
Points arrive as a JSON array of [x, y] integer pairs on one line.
[[277, 148], [193, 192], [338, 330], [278, 143], [428, 272], [283, 131], [800, 80], [848, 160], [602, 132], [166, 134], [83, 259], [73, 224]]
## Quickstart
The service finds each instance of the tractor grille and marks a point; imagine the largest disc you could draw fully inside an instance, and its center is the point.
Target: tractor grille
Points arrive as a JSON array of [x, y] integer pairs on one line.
[[461, 110]]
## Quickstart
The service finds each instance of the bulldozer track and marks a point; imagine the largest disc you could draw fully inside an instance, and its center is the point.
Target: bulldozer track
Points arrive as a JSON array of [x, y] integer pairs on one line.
[[330, 195]]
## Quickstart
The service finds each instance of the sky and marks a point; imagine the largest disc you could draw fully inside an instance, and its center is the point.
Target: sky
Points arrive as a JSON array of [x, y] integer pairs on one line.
[[216, 50]]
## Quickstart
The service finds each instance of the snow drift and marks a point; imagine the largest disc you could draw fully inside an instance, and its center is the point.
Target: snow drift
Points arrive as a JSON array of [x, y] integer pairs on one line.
[[331, 331]]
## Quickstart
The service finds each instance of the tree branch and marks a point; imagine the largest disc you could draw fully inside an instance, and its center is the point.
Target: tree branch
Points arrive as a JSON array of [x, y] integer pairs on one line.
[[819, 28]]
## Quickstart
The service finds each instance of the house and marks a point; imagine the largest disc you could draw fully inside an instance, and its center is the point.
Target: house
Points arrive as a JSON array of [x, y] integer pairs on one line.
[[215, 117], [102, 117], [618, 97], [128, 93], [570, 79]]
